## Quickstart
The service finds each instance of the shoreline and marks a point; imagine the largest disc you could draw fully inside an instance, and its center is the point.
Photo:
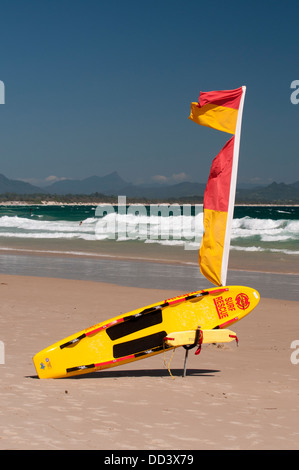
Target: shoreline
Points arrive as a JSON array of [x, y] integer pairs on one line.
[[148, 274], [74, 240], [239, 260], [158, 202]]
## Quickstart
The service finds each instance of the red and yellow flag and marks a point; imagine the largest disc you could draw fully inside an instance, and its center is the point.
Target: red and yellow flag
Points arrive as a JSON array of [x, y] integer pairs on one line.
[[220, 110], [217, 109]]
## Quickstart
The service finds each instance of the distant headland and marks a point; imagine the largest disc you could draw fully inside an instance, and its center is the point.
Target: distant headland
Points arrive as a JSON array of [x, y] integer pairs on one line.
[[95, 189]]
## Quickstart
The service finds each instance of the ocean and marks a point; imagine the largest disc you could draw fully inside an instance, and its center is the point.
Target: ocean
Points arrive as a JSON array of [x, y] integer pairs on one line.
[[255, 228], [143, 246]]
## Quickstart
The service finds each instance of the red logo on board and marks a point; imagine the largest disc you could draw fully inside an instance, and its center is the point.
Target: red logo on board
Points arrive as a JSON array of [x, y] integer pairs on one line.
[[220, 307], [242, 301], [224, 306]]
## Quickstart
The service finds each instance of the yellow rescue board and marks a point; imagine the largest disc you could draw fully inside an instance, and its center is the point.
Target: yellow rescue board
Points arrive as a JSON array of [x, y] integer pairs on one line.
[[184, 338], [139, 334]]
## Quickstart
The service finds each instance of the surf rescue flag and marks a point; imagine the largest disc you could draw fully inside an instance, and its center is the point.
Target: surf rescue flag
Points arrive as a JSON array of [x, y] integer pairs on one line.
[[220, 110], [217, 109]]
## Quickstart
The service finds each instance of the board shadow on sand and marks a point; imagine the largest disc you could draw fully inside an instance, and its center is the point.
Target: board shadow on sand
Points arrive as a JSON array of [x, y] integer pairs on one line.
[[106, 374]]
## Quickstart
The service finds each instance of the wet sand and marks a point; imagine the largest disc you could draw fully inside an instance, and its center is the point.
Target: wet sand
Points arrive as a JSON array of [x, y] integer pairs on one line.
[[148, 252]]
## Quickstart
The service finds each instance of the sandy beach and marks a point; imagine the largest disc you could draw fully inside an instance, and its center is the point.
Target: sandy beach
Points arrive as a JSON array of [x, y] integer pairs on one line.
[[149, 200], [233, 397]]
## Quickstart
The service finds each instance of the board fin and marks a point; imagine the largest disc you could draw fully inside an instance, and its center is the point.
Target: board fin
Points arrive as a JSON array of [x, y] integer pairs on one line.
[[185, 338]]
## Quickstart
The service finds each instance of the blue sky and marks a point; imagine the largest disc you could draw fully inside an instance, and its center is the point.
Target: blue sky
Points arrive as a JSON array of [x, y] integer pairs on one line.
[[94, 86]]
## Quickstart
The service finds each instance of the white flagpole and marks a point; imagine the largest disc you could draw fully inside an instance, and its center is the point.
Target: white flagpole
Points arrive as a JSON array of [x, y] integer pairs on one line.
[[232, 193]]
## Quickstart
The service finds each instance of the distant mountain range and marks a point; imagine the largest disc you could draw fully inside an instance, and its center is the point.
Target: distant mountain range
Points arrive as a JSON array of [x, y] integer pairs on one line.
[[109, 185], [114, 185], [16, 186]]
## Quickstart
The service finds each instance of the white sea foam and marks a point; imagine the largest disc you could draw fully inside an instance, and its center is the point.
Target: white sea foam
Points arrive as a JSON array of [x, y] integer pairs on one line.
[[249, 234], [260, 249], [265, 229]]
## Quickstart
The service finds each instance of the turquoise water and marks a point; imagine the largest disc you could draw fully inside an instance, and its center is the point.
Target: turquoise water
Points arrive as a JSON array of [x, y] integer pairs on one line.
[[255, 228], [75, 230]]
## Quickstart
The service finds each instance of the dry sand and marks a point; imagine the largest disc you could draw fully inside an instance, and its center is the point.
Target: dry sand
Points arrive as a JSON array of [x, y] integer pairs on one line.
[[244, 397]]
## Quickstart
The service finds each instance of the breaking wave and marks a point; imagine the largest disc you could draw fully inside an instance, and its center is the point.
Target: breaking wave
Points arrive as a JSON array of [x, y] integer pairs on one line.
[[248, 233]]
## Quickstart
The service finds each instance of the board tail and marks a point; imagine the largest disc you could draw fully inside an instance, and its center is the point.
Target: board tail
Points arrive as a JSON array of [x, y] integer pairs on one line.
[[185, 338]]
